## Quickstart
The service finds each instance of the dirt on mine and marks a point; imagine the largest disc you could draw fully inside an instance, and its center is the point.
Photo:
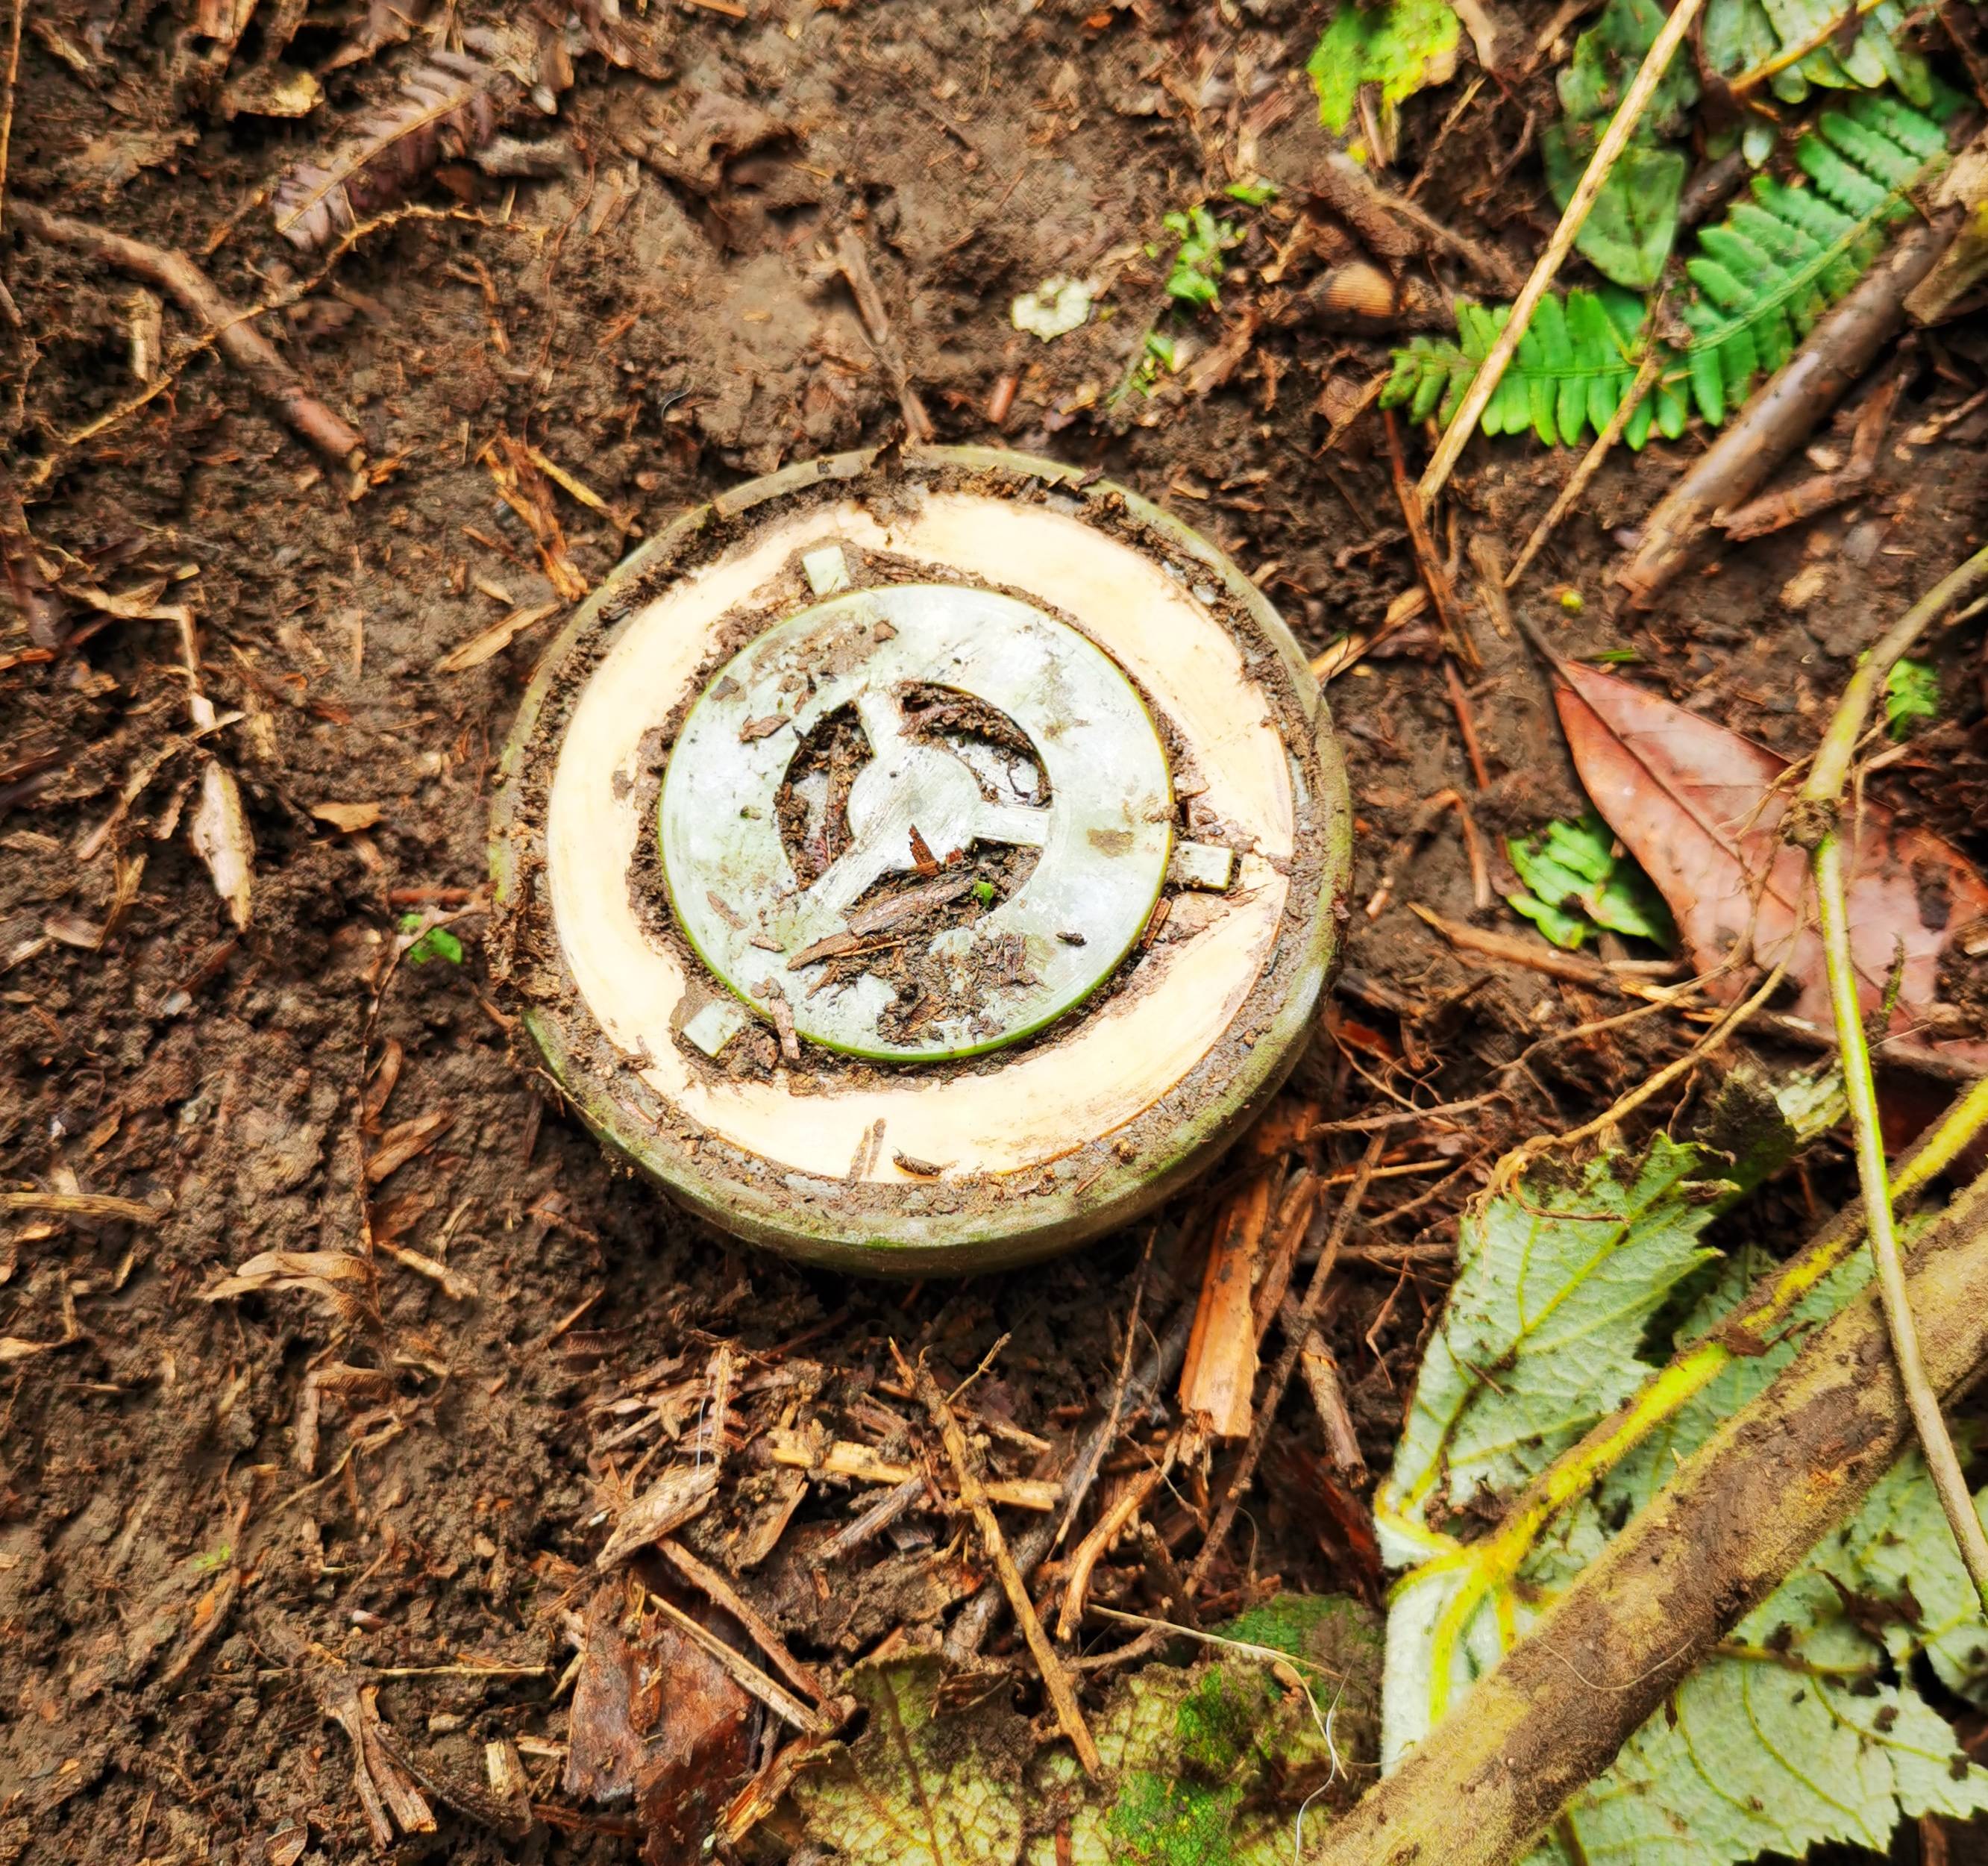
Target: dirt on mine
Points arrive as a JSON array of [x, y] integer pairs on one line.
[[228, 1510]]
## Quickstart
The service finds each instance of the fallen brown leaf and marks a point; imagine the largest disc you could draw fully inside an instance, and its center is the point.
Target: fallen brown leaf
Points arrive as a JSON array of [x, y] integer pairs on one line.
[[400, 1144], [1700, 807]]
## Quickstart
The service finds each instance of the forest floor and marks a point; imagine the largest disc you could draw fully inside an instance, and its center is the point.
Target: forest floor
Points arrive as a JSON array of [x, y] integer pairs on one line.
[[230, 1515]]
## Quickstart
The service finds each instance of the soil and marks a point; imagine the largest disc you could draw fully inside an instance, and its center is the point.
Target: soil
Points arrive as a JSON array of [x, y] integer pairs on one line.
[[221, 1506]]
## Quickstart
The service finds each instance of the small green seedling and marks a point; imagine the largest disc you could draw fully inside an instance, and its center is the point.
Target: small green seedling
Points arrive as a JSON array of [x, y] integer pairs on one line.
[[437, 942], [1255, 194], [983, 892], [1912, 693], [1197, 268], [1576, 881]]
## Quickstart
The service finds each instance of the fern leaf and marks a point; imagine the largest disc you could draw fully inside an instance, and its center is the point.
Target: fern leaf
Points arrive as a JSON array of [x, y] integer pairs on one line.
[[1759, 281]]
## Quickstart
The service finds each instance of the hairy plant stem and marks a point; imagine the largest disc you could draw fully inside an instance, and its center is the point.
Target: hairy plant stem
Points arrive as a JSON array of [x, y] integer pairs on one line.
[[1494, 1560], [1741, 1512], [1820, 802]]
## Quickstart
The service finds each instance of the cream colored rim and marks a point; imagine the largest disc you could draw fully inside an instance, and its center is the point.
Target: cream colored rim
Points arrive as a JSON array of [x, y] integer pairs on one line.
[[1044, 1103]]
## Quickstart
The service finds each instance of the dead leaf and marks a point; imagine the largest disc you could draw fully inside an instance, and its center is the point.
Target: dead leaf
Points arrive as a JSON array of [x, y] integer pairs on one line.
[[494, 640], [400, 1144], [1696, 804], [655, 1717], [220, 834], [446, 108], [326, 1273], [277, 90], [670, 1502], [348, 816]]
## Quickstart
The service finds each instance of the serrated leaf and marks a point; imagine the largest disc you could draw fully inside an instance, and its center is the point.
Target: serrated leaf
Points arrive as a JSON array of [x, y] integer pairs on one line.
[[1800, 1731], [1541, 1335], [1403, 46], [1204, 1765]]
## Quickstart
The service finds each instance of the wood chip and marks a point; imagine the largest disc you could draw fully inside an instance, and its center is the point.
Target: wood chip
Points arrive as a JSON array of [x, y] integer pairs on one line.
[[1220, 1375], [491, 642], [220, 835], [348, 816]]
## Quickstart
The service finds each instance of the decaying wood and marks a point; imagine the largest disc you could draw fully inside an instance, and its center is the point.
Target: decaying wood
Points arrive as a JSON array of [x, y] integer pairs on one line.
[[1963, 267], [1055, 1675], [1778, 419], [1738, 1516], [235, 332], [1220, 1369]]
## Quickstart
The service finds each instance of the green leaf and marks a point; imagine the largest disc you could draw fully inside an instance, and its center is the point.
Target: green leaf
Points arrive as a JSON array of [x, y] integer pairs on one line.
[[1576, 879], [1605, 59], [1805, 1727], [1628, 233], [1210, 1764], [1197, 267], [1402, 45], [1761, 280], [1252, 193], [1912, 693], [437, 942]]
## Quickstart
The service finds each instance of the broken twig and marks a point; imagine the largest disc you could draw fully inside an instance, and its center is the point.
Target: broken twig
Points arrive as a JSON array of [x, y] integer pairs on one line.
[[1056, 1676], [235, 333], [1615, 140]]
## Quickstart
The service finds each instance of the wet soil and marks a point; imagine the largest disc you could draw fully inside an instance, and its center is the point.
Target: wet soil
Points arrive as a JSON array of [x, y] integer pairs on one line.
[[211, 1504]]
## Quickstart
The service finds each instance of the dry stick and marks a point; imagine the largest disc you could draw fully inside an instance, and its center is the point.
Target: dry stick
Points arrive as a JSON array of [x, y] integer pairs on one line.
[[1578, 481], [1739, 1514], [1056, 1676], [853, 261], [1615, 140], [13, 76], [1280, 1377], [976, 1619], [1815, 824], [234, 335], [1083, 1473], [722, 1594], [1777, 421]]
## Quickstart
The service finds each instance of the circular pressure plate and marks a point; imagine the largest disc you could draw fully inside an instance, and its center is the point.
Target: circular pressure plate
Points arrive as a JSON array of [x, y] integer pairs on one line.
[[922, 865]]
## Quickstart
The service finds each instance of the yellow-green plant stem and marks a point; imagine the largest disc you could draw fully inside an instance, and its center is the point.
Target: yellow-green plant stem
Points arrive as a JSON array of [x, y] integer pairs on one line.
[[1495, 1559], [1942, 1461], [1814, 821]]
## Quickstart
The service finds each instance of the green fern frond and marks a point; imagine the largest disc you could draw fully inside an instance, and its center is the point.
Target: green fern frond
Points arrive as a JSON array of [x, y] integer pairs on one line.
[[1843, 45], [1759, 281]]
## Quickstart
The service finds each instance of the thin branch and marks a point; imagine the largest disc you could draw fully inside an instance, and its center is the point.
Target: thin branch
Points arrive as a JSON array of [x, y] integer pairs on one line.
[[1578, 480], [1814, 822], [973, 1494], [234, 332], [1615, 140]]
